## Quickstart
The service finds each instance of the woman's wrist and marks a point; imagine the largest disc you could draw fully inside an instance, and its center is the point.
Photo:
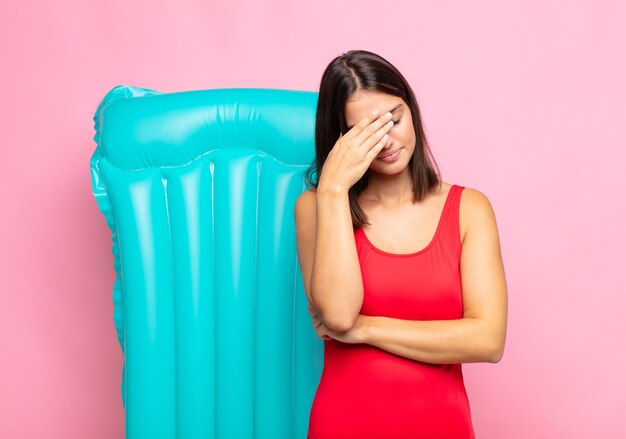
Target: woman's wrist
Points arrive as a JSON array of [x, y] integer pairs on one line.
[[364, 326], [331, 188]]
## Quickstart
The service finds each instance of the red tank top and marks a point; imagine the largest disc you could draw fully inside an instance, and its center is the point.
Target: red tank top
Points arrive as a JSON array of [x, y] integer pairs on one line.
[[367, 392]]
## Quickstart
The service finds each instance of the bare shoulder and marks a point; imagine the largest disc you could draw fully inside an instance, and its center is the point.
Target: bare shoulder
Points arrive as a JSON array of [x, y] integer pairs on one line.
[[305, 207], [475, 210], [306, 201]]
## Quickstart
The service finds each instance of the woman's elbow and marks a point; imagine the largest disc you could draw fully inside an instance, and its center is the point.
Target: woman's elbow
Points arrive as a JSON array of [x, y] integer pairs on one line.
[[337, 323], [496, 352]]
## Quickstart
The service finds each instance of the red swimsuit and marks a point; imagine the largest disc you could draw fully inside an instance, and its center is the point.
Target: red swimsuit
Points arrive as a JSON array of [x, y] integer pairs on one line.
[[367, 392]]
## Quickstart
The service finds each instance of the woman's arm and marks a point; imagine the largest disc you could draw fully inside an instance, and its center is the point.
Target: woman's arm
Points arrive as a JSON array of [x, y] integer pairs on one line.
[[463, 340], [327, 253], [480, 335]]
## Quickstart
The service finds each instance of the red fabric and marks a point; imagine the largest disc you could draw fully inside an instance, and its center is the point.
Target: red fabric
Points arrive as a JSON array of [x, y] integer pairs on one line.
[[367, 392]]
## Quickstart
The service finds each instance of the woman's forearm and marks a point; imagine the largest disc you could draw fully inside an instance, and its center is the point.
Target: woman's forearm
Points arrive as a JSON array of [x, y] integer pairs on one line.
[[463, 340], [336, 283]]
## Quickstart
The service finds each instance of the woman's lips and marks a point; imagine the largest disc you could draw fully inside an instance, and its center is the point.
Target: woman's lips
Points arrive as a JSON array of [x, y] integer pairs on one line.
[[390, 156]]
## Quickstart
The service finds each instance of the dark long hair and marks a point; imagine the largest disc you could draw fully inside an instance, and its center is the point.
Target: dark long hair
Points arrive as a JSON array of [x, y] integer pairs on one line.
[[364, 70]]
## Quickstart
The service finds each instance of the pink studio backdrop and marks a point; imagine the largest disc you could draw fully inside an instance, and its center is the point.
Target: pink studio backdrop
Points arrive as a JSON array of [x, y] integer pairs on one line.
[[522, 100]]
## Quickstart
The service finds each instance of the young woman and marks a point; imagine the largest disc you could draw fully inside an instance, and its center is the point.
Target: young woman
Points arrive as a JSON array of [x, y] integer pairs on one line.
[[402, 271]]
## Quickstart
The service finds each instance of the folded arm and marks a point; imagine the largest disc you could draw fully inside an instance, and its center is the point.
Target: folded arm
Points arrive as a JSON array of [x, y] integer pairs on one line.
[[465, 340], [480, 335]]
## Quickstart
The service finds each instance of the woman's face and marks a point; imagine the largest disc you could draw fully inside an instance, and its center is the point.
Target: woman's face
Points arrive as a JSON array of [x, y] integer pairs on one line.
[[401, 135]]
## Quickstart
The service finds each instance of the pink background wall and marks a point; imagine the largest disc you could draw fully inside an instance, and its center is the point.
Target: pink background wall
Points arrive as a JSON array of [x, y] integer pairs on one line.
[[522, 100]]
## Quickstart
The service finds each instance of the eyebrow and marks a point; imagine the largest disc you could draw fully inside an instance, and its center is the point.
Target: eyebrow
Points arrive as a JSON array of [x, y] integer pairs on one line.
[[390, 111]]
